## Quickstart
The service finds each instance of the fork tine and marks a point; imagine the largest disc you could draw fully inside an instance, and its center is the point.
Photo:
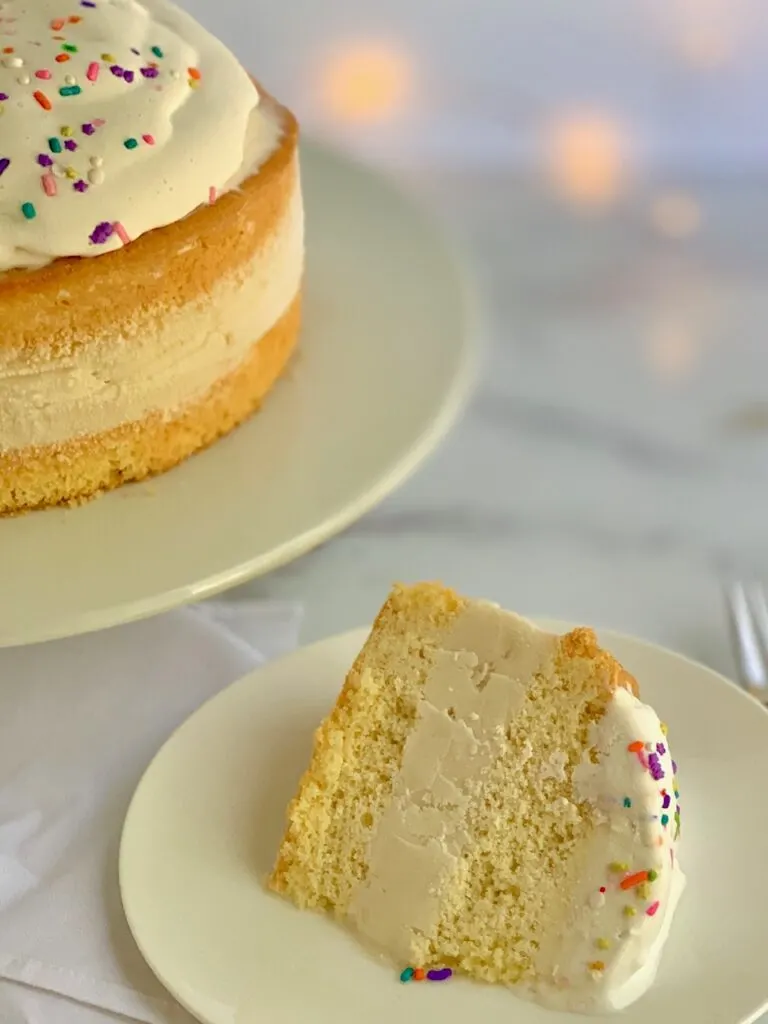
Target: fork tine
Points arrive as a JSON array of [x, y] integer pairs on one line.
[[759, 606], [747, 627]]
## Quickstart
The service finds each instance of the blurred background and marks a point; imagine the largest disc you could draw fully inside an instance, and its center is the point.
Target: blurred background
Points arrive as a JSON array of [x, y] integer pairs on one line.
[[644, 86], [603, 164]]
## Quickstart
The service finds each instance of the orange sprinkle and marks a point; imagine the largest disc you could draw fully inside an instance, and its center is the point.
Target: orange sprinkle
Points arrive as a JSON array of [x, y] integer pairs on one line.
[[419, 974], [194, 73], [42, 99], [62, 57], [597, 965], [74, 18], [57, 23], [635, 747], [7, 49], [632, 880]]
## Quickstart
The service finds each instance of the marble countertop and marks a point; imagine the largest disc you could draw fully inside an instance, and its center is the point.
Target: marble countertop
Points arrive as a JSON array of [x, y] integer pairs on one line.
[[613, 465]]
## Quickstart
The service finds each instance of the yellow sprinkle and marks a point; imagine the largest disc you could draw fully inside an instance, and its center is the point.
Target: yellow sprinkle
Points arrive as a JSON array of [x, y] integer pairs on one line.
[[597, 965], [71, 172], [643, 891], [602, 944], [629, 911], [619, 866], [110, 57], [66, 131], [193, 84], [664, 728]]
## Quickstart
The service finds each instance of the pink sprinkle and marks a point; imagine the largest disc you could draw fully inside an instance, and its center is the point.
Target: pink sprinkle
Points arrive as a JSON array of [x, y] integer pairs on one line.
[[212, 194], [99, 122], [49, 184], [121, 233], [652, 909], [43, 73], [93, 71], [642, 759], [149, 139]]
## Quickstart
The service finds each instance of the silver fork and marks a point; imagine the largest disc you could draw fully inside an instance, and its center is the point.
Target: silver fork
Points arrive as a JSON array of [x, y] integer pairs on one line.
[[748, 615]]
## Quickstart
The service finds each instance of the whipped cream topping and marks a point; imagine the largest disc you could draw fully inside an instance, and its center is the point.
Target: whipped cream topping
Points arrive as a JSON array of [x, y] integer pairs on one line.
[[601, 942], [116, 117], [628, 880]]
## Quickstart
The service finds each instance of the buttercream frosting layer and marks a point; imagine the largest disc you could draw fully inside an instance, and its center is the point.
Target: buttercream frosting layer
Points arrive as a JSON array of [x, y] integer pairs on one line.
[[118, 117]]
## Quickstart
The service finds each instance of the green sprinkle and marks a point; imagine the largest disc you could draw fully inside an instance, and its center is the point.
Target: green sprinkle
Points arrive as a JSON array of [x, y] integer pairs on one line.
[[69, 47], [652, 875], [407, 974], [29, 211], [665, 820], [70, 90], [677, 794], [627, 802], [157, 51], [54, 145], [130, 143]]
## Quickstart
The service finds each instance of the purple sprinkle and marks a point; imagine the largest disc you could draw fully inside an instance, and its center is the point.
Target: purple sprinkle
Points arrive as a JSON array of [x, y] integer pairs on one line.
[[3, 96], [116, 70], [88, 129], [80, 186], [667, 801], [660, 748], [674, 767], [70, 144], [654, 766], [101, 233], [44, 160], [150, 72], [441, 975], [87, 3], [128, 76], [5, 163]]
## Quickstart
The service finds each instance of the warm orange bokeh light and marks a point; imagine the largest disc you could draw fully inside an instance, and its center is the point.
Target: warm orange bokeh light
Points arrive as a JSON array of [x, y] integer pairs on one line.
[[586, 157], [675, 214], [367, 82]]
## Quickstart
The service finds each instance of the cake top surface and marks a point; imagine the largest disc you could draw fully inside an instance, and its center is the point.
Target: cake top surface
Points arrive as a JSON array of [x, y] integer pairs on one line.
[[118, 116]]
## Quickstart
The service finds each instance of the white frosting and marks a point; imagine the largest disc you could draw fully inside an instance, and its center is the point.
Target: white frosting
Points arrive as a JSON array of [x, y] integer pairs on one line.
[[635, 833], [123, 378], [600, 946], [197, 124]]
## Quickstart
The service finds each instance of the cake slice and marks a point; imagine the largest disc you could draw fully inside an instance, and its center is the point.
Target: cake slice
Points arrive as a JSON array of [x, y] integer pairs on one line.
[[491, 798]]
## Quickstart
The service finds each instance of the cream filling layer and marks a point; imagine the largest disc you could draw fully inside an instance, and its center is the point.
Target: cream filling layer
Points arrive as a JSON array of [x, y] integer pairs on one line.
[[125, 378]]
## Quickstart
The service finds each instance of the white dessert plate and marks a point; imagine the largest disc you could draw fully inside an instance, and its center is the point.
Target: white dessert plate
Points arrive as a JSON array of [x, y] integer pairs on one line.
[[384, 365], [206, 820]]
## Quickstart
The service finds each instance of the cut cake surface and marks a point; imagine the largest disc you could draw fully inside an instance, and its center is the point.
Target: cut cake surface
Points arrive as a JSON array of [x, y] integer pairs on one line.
[[487, 796]]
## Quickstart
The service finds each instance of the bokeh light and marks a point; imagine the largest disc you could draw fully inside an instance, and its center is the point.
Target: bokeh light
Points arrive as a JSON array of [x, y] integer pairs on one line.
[[367, 81], [675, 214], [586, 157], [672, 349]]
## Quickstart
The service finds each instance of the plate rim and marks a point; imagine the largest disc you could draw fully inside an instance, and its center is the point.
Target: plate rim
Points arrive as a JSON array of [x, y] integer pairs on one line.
[[351, 637]]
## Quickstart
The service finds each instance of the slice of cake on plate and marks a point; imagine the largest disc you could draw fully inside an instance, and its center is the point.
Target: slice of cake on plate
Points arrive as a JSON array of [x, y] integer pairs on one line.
[[491, 799]]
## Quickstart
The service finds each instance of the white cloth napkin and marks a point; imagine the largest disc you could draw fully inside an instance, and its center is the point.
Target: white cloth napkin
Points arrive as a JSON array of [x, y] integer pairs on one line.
[[80, 720]]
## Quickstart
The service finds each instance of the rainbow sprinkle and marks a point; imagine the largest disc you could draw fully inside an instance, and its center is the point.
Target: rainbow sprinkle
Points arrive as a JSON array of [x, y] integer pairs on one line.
[[419, 974]]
